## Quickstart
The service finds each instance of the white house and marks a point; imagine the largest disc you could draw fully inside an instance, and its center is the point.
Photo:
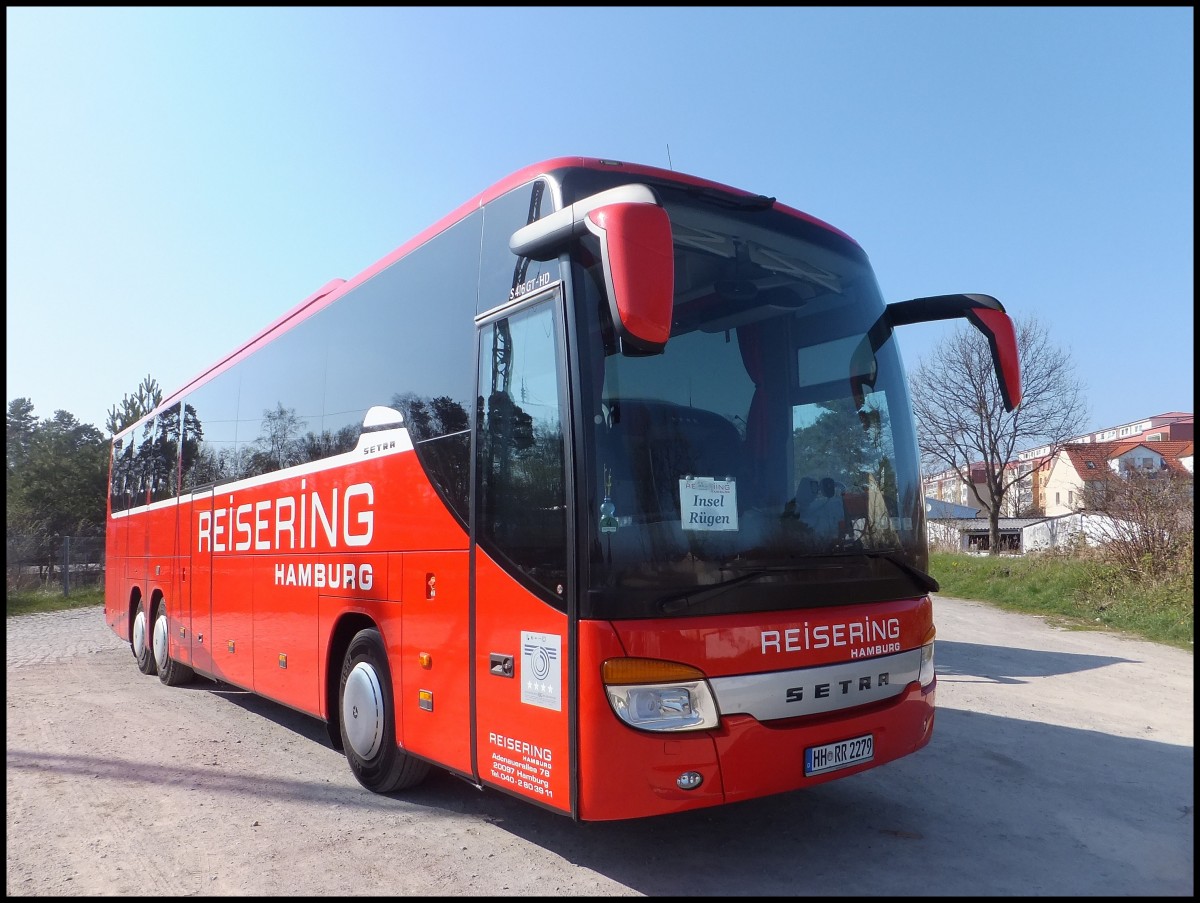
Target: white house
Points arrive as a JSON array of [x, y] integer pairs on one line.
[[1078, 465]]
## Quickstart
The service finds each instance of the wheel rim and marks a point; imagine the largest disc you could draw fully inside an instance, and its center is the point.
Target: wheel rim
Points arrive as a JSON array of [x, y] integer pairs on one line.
[[160, 641], [362, 710], [139, 633]]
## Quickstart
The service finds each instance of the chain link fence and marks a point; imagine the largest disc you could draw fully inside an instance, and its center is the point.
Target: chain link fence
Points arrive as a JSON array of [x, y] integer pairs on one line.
[[42, 562]]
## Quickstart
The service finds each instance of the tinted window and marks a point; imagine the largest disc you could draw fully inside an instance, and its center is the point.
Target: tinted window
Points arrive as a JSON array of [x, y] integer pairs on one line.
[[405, 339], [502, 275], [121, 483], [522, 493], [163, 465], [279, 406], [211, 432], [143, 463], [192, 437]]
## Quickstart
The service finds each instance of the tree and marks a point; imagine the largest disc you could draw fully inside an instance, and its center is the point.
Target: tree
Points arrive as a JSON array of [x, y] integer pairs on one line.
[[134, 407], [961, 421], [57, 487], [21, 425], [1150, 525], [57, 470], [21, 540], [67, 479], [279, 444]]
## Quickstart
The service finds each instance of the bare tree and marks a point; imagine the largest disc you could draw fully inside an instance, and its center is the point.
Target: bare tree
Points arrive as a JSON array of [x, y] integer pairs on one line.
[[1150, 521], [278, 445], [961, 422]]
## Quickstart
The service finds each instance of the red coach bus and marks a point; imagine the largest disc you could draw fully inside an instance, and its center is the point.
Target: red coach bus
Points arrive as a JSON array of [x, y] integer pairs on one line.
[[603, 492]]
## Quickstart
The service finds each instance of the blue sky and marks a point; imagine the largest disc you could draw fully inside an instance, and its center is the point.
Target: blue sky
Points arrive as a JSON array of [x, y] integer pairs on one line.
[[179, 177]]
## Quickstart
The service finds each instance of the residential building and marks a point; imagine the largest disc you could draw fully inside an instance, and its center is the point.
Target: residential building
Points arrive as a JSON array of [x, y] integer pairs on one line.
[[1051, 485], [1078, 465]]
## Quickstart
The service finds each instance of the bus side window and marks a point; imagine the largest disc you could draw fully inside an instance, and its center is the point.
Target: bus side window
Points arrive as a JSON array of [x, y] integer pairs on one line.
[[503, 276], [522, 475]]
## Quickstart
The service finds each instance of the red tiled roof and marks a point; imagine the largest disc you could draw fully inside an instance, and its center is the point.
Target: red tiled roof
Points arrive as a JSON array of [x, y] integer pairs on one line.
[[1093, 458]]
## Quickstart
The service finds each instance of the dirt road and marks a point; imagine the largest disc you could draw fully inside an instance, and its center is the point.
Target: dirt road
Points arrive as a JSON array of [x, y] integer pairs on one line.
[[1062, 763]]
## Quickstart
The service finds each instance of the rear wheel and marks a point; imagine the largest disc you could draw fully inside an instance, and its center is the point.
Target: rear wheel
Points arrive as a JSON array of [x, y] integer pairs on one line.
[[368, 719], [141, 650], [170, 672]]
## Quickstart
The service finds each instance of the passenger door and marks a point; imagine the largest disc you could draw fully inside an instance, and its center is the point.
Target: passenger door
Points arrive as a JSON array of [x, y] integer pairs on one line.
[[521, 537]]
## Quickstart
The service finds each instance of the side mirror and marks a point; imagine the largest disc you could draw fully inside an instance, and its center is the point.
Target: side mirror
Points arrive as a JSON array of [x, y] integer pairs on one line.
[[637, 256], [639, 272], [987, 315]]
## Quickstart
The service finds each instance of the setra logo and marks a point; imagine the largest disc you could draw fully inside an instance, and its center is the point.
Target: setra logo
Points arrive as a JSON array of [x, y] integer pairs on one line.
[[843, 687]]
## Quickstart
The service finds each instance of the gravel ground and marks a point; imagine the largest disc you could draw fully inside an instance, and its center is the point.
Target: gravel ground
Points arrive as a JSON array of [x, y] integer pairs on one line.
[[1062, 764]]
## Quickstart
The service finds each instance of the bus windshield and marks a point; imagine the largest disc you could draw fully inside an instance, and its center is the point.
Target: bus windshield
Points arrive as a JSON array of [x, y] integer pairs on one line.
[[769, 448]]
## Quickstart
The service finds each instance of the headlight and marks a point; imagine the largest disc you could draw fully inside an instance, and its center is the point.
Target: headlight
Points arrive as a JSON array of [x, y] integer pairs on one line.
[[659, 696], [926, 676]]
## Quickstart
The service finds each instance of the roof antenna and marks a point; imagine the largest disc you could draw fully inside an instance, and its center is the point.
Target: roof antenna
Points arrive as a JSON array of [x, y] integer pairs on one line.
[[669, 163]]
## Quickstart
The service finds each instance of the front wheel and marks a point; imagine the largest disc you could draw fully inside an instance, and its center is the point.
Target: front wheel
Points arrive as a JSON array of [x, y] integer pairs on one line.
[[141, 649], [368, 719], [170, 672]]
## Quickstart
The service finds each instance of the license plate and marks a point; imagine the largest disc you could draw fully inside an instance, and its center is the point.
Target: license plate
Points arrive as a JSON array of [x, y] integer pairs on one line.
[[835, 756]]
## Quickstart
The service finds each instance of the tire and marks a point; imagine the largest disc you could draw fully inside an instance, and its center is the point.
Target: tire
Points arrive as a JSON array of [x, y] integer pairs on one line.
[[137, 641], [170, 672], [367, 718]]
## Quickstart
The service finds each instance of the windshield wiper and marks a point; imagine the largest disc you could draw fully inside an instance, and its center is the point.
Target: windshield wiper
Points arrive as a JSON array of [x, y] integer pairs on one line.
[[699, 594], [695, 596], [925, 581]]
